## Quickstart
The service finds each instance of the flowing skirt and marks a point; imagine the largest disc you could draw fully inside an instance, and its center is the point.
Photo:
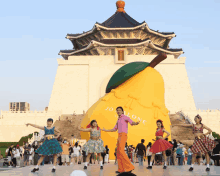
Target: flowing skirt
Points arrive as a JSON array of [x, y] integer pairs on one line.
[[160, 145], [203, 145], [49, 147], [94, 146]]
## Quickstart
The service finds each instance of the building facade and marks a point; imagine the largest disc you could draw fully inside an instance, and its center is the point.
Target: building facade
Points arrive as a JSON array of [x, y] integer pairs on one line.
[[84, 72], [19, 106]]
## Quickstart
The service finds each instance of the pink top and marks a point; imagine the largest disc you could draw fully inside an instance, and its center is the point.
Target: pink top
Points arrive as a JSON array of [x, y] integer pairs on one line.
[[122, 124]]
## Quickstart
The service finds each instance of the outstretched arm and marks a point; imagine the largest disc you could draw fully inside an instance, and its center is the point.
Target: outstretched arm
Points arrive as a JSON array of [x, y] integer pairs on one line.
[[135, 123], [112, 130], [35, 126], [84, 130], [184, 125]]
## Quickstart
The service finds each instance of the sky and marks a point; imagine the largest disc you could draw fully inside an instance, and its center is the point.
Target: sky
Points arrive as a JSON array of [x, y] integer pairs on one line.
[[33, 33]]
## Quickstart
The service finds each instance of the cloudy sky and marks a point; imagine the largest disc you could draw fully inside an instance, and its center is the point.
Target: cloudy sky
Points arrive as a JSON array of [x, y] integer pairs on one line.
[[32, 34]]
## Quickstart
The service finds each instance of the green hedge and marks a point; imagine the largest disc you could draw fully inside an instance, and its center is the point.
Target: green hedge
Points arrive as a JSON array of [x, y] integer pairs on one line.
[[20, 142], [215, 135], [3, 151]]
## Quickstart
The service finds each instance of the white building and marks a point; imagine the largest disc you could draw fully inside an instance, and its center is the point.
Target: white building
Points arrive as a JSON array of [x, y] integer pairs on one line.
[[83, 74]]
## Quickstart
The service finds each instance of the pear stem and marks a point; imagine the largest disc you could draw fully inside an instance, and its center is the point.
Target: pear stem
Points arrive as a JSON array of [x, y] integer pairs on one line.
[[158, 59]]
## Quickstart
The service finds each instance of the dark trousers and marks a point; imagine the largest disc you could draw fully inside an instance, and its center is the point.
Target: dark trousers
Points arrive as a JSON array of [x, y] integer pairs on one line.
[[149, 158], [91, 157], [35, 158], [171, 160], [14, 161], [180, 160], [103, 157], [216, 158], [84, 158]]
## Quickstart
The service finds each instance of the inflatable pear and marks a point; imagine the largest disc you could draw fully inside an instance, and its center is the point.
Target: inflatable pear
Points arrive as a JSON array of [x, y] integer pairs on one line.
[[139, 89]]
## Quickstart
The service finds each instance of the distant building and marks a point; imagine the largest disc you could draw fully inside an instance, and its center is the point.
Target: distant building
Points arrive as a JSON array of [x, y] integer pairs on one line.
[[19, 106]]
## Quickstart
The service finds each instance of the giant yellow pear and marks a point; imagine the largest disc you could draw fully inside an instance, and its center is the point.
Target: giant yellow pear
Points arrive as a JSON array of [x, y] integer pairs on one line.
[[142, 97]]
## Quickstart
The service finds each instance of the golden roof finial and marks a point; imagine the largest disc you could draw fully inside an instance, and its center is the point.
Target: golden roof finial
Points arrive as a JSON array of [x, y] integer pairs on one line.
[[120, 6]]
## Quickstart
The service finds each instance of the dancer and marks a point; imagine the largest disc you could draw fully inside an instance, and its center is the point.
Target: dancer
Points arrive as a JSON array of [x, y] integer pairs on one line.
[[161, 145], [124, 164], [50, 146], [202, 144], [95, 143]]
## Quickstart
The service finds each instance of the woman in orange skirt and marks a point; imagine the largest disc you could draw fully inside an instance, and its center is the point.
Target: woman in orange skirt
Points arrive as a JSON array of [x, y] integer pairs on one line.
[[161, 145]]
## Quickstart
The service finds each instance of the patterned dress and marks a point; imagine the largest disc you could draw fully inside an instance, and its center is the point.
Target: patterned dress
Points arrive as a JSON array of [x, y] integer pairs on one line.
[[94, 146], [203, 145], [49, 147]]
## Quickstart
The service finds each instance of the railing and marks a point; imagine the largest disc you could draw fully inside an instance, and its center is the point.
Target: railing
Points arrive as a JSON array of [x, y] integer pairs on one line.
[[185, 117]]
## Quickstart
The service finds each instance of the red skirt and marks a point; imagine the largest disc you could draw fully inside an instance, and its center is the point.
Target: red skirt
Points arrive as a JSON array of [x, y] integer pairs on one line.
[[203, 145], [160, 145]]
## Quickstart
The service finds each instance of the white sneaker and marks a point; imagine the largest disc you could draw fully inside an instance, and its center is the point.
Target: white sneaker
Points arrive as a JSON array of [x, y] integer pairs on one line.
[[9, 166], [17, 166]]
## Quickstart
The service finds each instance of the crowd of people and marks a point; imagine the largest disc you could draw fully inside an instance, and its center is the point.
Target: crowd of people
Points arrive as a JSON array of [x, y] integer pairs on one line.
[[25, 155], [180, 154], [161, 152]]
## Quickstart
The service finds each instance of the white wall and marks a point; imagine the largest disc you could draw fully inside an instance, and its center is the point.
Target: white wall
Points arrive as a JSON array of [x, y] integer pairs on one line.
[[12, 125], [70, 90], [92, 73]]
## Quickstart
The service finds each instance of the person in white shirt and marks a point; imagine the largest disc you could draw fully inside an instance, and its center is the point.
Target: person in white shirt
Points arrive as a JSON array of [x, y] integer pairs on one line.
[[31, 155], [80, 154], [17, 155], [76, 149]]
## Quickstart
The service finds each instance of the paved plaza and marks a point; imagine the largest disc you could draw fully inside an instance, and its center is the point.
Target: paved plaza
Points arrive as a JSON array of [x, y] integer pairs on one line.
[[109, 170]]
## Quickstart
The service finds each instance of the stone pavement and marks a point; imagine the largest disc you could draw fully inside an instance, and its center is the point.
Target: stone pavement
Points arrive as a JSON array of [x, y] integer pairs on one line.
[[109, 170]]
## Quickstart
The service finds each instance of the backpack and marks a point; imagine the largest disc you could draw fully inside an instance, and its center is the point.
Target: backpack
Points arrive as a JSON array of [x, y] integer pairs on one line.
[[179, 152]]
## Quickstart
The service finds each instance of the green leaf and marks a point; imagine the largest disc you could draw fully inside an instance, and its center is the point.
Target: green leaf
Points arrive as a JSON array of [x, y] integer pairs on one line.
[[124, 73]]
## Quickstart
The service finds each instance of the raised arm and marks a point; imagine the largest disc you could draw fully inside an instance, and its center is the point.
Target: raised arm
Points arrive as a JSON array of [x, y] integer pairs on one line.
[[207, 128], [35, 126]]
